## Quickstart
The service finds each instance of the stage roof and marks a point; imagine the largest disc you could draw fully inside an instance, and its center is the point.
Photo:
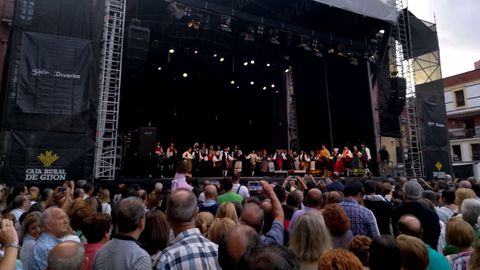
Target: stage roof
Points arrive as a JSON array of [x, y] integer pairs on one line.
[[379, 9]]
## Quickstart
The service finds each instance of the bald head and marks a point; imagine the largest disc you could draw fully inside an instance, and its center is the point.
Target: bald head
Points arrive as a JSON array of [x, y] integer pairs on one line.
[[67, 255], [314, 198], [410, 225], [236, 243], [210, 192], [182, 206], [54, 221], [252, 215]]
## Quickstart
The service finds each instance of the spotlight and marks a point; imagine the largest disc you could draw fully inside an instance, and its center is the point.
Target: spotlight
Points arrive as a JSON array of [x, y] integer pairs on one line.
[[252, 61], [195, 52], [252, 83], [273, 85], [214, 55], [171, 51], [381, 31], [264, 88], [245, 63], [222, 59], [238, 87], [276, 92], [268, 64], [287, 70], [159, 68], [185, 75], [232, 82]]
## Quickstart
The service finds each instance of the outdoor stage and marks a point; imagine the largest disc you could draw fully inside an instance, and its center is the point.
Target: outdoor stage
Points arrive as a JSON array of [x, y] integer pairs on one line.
[[264, 74]]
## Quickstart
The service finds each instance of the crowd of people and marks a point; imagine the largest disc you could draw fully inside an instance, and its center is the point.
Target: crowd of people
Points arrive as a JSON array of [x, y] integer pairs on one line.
[[300, 223], [211, 161]]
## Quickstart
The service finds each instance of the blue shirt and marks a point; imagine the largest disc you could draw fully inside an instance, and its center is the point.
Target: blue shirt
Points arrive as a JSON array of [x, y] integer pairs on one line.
[[362, 220], [44, 244], [437, 260], [275, 235]]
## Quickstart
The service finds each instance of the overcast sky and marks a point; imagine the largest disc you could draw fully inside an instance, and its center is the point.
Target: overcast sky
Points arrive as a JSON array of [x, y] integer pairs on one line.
[[458, 25]]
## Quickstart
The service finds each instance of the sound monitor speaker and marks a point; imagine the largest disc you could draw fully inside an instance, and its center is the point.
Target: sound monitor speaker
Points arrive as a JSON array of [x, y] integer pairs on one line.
[[138, 42], [147, 139], [398, 87]]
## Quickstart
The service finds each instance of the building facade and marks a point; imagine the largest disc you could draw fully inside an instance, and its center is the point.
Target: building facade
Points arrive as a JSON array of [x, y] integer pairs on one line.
[[462, 100]]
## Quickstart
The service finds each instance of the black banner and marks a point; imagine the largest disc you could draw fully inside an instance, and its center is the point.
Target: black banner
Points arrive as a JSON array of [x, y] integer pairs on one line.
[[55, 73], [434, 128]]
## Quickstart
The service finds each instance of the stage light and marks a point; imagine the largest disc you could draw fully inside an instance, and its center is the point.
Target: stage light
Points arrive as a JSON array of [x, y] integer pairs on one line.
[[252, 83], [185, 75], [245, 63], [195, 52], [381, 31], [171, 51], [264, 88], [214, 55], [287, 70], [222, 59], [252, 61], [238, 87], [273, 85], [276, 92], [232, 82], [268, 64]]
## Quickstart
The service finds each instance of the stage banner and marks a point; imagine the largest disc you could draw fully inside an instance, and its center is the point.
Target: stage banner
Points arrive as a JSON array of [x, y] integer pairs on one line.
[[48, 156], [55, 74], [434, 129]]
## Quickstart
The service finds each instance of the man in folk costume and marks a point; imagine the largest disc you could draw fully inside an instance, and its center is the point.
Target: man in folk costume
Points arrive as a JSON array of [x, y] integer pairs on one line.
[[366, 157], [347, 158], [238, 160], [324, 160], [227, 159], [171, 156], [160, 154], [202, 157], [304, 160], [252, 157]]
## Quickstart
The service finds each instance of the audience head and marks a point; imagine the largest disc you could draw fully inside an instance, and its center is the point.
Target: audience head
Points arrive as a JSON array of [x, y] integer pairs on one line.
[[155, 236], [464, 184], [370, 187], [236, 246], [337, 258], [227, 210], [352, 188], [360, 246], [78, 193], [130, 215], [410, 225], [67, 255], [336, 219], [281, 193], [459, 233], [55, 222], [227, 184], [471, 211], [253, 215], [412, 191], [97, 227], [462, 194], [384, 254], [219, 228], [332, 197], [310, 237], [182, 207], [448, 196], [204, 221], [104, 195], [314, 198], [295, 198], [414, 253], [31, 224], [274, 257], [210, 192]]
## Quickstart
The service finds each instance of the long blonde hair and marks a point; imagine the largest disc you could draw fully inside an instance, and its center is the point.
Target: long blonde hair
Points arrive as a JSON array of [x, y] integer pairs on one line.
[[227, 210]]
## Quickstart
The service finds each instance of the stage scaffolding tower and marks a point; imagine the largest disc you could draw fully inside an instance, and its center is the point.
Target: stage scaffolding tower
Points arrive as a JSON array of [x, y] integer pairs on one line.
[[413, 162], [109, 88], [291, 112]]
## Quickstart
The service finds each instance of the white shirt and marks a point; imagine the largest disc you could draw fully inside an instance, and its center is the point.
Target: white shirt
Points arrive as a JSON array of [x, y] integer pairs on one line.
[[242, 192]]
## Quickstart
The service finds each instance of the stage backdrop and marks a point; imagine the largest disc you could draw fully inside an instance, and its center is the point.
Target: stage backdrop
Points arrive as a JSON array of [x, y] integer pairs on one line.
[[51, 95]]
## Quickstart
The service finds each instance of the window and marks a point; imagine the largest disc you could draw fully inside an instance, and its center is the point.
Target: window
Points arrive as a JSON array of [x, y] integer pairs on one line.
[[459, 98], [475, 151], [457, 153]]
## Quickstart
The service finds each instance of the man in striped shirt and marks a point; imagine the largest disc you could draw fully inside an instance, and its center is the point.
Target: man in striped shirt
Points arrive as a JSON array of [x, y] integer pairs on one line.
[[189, 249]]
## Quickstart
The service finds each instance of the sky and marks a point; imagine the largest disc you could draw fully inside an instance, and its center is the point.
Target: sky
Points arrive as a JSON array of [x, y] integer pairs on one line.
[[458, 23]]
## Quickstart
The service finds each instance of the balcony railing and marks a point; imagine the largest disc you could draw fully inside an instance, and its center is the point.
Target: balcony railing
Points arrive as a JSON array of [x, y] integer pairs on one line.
[[463, 134]]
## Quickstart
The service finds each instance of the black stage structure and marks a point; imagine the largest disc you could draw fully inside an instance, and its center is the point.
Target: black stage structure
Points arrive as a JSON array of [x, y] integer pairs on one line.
[[196, 71]]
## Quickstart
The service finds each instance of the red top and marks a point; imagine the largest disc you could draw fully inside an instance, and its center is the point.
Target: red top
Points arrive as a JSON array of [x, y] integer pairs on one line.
[[90, 251]]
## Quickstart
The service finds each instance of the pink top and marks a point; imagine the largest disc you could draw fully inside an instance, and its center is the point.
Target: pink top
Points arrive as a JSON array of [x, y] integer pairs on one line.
[[180, 182], [90, 251]]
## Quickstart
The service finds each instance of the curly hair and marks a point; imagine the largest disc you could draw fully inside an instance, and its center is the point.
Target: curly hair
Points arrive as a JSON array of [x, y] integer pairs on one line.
[[339, 259], [360, 246], [336, 219], [96, 226]]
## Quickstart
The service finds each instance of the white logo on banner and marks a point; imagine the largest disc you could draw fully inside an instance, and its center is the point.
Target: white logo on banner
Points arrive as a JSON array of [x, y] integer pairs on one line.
[[57, 74]]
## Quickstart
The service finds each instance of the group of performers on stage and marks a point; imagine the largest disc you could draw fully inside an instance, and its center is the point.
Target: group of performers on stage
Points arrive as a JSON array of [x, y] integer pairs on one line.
[[210, 161]]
